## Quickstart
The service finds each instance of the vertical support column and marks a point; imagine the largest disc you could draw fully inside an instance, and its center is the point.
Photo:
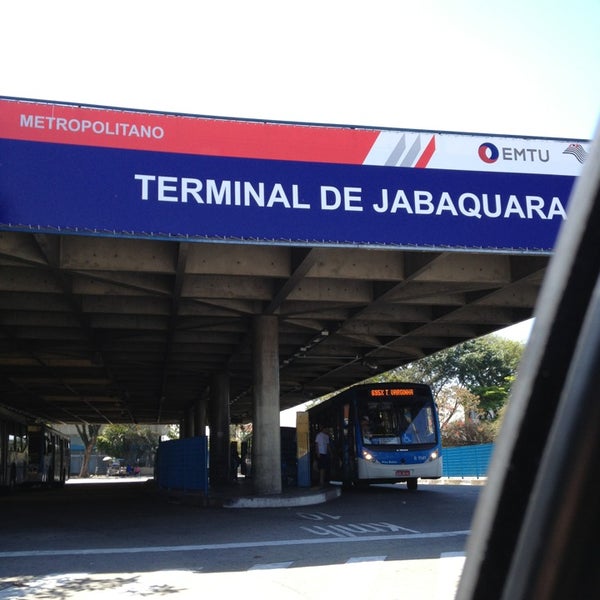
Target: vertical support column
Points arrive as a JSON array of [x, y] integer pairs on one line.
[[186, 425], [219, 428], [266, 439], [190, 422], [200, 415]]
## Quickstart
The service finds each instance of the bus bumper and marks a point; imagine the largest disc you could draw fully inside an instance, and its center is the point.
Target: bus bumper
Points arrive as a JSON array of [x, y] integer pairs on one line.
[[373, 471]]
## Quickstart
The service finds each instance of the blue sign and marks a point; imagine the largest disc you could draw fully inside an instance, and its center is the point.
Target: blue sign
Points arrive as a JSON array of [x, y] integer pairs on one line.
[[74, 174]]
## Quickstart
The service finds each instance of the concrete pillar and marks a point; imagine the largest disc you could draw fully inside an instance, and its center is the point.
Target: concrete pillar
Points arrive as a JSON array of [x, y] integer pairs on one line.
[[200, 421], [186, 425], [266, 439], [190, 422], [219, 428]]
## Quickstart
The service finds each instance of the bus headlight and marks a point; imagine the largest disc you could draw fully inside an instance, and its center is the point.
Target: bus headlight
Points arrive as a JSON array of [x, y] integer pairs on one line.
[[435, 454], [368, 456]]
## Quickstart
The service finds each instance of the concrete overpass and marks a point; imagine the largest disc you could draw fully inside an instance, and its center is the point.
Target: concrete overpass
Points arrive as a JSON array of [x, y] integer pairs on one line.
[[161, 268], [111, 330]]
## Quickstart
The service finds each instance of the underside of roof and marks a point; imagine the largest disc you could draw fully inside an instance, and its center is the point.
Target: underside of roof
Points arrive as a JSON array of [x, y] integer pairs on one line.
[[96, 329]]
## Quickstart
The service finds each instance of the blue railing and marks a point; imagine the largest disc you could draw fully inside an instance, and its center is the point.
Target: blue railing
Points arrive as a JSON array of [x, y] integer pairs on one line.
[[467, 461]]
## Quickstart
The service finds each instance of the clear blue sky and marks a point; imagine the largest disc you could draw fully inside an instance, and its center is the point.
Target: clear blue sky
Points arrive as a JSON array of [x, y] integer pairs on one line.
[[524, 67]]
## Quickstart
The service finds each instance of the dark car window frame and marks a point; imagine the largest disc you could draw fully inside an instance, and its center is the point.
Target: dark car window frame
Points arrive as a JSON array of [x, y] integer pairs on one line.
[[535, 529]]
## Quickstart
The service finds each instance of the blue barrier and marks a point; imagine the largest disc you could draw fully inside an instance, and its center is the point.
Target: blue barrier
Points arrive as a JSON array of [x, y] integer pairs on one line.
[[183, 464], [467, 461]]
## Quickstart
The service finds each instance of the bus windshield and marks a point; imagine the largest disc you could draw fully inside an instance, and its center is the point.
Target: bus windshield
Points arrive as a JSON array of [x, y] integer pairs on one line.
[[386, 423]]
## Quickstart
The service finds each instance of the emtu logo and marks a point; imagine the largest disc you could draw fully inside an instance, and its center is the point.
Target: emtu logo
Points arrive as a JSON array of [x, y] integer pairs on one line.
[[488, 153], [577, 151]]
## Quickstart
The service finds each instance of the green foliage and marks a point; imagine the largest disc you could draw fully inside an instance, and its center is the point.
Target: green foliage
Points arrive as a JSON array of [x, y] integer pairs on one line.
[[476, 364], [492, 398], [487, 362], [135, 444], [496, 424], [173, 432]]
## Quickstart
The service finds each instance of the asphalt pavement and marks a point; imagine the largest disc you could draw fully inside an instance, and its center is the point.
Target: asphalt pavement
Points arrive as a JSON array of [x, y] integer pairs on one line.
[[240, 494], [370, 570]]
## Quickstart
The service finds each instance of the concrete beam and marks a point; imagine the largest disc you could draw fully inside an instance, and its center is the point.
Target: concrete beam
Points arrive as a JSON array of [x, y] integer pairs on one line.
[[351, 263], [113, 254], [234, 259]]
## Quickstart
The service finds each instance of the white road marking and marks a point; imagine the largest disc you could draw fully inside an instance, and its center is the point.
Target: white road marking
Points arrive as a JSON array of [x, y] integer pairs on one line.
[[318, 516], [231, 545], [267, 566], [360, 559], [354, 529]]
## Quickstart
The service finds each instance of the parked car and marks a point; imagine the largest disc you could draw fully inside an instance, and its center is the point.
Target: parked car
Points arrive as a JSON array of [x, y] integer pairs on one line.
[[116, 469]]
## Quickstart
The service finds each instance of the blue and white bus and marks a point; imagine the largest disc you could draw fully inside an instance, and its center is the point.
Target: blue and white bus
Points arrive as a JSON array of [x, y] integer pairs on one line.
[[380, 433], [13, 449], [49, 455]]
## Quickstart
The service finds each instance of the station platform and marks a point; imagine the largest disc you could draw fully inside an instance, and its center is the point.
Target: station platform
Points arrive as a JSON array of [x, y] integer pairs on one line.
[[240, 494]]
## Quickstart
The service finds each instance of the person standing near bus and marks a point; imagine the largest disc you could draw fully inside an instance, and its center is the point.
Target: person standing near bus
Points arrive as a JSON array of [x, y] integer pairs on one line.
[[322, 442]]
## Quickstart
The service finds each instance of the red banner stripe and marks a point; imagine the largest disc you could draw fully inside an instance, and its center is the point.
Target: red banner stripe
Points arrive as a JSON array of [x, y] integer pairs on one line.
[[427, 154], [88, 126]]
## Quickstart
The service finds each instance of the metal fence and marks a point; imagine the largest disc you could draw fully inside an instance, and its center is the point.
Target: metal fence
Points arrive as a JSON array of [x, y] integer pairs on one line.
[[467, 461]]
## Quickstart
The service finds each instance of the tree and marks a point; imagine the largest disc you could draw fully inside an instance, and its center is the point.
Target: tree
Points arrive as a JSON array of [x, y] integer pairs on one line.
[[135, 444], [88, 432], [455, 400], [437, 370], [467, 433], [487, 367]]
